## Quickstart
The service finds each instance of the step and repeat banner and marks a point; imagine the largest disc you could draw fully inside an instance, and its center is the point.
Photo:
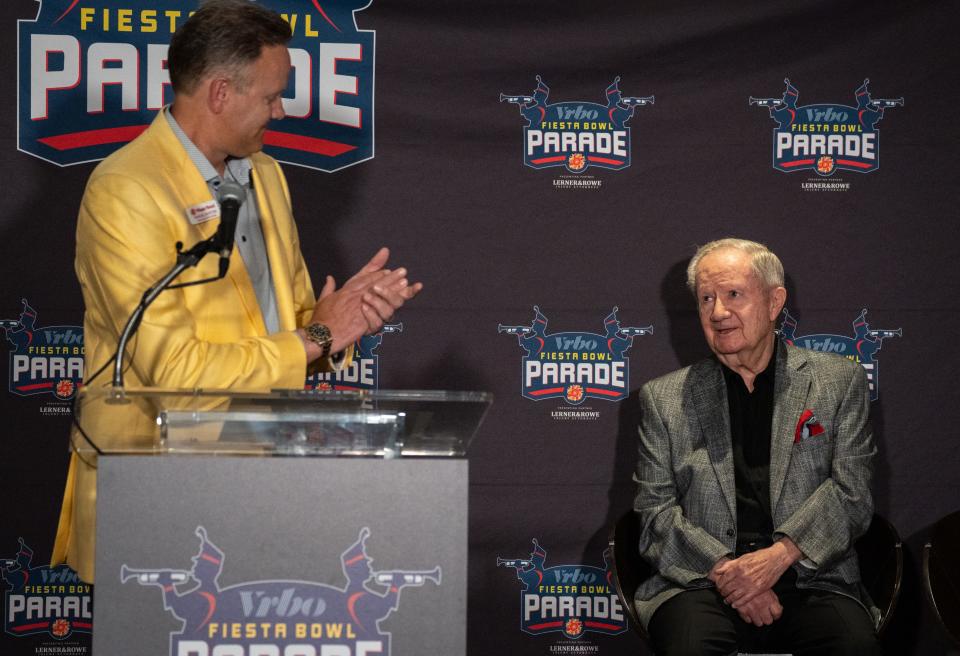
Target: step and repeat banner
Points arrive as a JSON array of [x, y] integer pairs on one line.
[[546, 169]]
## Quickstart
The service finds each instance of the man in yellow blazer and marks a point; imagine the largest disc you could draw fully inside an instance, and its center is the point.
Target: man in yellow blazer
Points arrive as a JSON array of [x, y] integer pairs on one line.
[[258, 328]]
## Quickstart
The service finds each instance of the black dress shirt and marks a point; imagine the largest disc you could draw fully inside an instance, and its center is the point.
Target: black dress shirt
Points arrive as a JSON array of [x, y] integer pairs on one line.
[[751, 420]]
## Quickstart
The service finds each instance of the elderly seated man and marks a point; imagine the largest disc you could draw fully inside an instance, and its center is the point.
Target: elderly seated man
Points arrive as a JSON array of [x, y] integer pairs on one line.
[[753, 479]]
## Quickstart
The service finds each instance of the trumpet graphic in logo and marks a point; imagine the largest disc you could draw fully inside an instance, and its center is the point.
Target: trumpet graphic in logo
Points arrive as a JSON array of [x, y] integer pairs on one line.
[[574, 366], [43, 360], [280, 616], [576, 135], [44, 600], [570, 599], [826, 138], [861, 348]]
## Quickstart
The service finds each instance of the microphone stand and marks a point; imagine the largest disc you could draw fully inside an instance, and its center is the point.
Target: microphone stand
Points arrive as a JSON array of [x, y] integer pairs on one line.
[[185, 260]]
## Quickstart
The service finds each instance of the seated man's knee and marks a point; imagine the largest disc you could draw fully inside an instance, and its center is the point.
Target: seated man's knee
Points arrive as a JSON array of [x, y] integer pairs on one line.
[[692, 624]]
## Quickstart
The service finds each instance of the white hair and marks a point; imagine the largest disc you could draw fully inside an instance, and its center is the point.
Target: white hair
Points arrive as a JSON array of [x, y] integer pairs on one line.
[[765, 264]]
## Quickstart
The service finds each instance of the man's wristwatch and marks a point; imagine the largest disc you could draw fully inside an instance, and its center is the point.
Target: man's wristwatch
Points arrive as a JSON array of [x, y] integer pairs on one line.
[[320, 335]]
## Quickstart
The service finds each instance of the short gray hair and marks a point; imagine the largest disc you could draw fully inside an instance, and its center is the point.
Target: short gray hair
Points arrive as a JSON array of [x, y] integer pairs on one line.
[[765, 264]]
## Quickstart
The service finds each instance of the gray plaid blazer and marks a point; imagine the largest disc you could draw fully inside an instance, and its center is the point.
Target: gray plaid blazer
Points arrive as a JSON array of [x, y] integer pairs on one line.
[[819, 487]]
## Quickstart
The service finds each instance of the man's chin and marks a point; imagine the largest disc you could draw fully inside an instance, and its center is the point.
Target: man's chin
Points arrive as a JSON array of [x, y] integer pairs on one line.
[[721, 347], [242, 153]]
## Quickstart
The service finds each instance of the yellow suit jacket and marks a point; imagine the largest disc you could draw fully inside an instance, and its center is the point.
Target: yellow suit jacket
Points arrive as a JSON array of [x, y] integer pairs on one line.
[[134, 211]]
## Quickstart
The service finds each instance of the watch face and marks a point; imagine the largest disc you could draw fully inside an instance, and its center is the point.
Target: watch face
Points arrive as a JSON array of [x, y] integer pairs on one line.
[[320, 335]]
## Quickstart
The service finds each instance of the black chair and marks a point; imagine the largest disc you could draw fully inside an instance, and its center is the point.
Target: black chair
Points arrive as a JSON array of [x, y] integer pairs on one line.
[[941, 573], [629, 569], [879, 550], [880, 553]]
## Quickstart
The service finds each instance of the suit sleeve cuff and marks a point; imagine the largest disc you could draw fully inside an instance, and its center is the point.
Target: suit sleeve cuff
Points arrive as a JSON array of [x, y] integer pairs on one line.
[[340, 361]]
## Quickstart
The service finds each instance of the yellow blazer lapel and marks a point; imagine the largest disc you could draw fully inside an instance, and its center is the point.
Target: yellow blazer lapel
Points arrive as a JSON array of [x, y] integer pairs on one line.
[[190, 188]]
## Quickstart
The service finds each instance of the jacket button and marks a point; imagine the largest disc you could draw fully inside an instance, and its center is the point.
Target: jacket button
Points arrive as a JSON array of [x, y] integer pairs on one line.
[[730, 533]]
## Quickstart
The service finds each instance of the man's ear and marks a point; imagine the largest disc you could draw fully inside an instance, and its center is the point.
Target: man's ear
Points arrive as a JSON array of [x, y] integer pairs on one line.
[[218, 90], [778, 298]]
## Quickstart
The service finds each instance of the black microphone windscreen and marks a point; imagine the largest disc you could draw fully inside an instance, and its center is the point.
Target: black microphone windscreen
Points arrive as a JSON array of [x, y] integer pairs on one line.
[[230, 195]]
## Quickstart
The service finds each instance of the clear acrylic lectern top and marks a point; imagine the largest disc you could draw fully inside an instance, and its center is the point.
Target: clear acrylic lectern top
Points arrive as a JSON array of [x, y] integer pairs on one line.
[[377, 423]]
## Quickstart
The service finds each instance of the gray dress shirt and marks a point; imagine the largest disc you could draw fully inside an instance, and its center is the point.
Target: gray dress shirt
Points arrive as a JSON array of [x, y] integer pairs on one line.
[[249, 236]]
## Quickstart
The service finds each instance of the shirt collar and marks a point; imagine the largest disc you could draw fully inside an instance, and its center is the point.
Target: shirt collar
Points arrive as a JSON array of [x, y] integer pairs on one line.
[[765, 377], [238, 169]]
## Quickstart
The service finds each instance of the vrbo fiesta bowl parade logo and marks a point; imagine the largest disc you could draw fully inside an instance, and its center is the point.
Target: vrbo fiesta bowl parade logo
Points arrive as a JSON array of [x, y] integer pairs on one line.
[[576, 134], [44, 600], [570, 599], [364, 372], [91, 76], [45, 360], [861, 348], [274, 617], [826, 138], [574, 366]]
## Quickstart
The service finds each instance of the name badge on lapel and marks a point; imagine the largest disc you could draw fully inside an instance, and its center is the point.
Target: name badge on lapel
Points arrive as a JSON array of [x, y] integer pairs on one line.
[[203, 212]]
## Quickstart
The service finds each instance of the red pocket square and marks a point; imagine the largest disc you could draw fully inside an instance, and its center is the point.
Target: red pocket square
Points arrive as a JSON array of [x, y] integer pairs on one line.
[[808, 426]]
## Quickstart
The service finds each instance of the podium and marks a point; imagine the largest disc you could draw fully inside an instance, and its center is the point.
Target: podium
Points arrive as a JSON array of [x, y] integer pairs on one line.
[[290, 523]]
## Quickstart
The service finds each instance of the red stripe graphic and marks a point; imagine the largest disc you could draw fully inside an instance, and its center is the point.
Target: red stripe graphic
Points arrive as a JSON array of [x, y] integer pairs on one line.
[[547, 160], [604, 392], [604, 160], [859, 165], [211, 607], [601, 625], [89, 138], [545, 625], [73, 140], [31, 627], [66, 11], [798, 162], [35, 386], [306, 144], [549, 390], [324, 14]]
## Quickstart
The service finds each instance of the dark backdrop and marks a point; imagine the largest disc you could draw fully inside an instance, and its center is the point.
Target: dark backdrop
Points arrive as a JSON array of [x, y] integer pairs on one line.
[[447, 190]]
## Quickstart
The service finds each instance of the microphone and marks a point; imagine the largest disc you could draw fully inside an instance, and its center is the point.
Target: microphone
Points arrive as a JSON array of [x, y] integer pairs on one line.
[[230, 195]]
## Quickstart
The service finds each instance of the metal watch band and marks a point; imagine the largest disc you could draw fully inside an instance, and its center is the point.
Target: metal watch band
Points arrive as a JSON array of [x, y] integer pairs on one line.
[[320, 335]]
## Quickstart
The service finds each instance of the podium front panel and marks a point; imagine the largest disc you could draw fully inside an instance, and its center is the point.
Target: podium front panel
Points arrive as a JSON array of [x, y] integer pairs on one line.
[[247, 555]]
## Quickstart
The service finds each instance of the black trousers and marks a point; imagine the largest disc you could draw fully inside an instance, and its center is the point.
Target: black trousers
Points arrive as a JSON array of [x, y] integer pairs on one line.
[[814, 623]]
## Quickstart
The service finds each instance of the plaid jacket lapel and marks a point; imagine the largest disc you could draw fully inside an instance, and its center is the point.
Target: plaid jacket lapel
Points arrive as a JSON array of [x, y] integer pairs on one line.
[[791, 389], [710, 401]]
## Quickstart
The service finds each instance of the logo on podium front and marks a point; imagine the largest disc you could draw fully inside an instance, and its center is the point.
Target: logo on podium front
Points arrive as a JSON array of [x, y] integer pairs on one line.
[[280, 616]]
